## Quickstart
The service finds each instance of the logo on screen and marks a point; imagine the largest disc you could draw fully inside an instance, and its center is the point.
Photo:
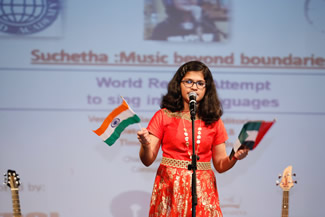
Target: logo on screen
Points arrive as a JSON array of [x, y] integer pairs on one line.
[[27, 17], [115, 122]]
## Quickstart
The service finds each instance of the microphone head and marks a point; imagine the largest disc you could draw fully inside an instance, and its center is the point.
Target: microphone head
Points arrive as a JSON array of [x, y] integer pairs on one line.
[[192, 96]]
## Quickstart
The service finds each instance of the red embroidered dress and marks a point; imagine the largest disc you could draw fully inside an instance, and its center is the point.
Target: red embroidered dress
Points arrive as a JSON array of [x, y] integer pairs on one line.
[[172, 194]]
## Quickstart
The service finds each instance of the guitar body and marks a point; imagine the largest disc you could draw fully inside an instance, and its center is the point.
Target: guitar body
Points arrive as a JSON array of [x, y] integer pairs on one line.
[[13, 182]]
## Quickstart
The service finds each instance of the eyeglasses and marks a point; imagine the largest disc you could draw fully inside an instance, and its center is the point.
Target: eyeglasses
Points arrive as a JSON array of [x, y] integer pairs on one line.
[[190, 83]]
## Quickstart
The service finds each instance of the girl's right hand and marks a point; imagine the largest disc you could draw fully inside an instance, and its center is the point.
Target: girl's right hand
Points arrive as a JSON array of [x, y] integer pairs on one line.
[[143, 137]]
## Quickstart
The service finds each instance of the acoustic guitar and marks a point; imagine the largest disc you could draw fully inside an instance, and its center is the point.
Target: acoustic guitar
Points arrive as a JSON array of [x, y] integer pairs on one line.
[[286, 184], [13, 182]]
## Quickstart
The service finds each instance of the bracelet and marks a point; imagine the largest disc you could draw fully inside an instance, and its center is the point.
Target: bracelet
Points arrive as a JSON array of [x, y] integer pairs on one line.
[[234, 157]]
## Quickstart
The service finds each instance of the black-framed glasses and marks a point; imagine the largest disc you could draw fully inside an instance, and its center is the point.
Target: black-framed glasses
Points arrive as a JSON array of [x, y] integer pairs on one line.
[[190, 83]]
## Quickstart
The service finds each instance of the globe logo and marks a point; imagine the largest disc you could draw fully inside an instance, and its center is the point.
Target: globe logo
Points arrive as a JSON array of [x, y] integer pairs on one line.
[[23, 17], [115, 122]]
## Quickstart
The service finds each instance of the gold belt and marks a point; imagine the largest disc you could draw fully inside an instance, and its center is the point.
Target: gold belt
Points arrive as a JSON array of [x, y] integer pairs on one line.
[[183, 164]]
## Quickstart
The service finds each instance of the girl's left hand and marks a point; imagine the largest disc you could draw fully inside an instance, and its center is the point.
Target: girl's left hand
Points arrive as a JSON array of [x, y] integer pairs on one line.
[[241, 153]]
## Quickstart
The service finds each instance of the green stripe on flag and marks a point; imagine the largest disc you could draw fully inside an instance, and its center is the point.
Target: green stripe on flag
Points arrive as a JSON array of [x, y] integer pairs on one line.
[[119, 129], [248, 127]]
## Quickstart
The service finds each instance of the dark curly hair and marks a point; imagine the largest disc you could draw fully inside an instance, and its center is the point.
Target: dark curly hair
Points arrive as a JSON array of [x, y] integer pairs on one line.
[[210, 108]]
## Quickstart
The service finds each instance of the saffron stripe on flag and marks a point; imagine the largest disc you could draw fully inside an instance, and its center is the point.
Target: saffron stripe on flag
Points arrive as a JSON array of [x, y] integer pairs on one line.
[[118, 119], [114, 124], [124, 106]]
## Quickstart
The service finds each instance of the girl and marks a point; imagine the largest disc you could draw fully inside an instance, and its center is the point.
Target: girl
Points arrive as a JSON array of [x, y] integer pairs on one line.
[[171, 128]]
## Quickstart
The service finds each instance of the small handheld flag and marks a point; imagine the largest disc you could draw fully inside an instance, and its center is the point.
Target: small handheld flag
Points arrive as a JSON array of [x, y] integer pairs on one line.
[[114, 124], [251, 135]]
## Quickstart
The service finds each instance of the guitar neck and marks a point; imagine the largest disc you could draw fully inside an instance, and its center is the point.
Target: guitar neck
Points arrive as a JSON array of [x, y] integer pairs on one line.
[[15, 202], [285, 204]]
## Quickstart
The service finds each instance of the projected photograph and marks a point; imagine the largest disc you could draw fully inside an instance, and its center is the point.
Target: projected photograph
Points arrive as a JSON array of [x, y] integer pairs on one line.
[[186, 20]]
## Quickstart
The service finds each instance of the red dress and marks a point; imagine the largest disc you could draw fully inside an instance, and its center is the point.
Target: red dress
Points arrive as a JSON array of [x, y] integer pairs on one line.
[[172, 194]]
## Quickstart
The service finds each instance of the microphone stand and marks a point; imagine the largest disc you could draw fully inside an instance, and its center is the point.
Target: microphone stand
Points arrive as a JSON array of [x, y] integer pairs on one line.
[[193, 166]]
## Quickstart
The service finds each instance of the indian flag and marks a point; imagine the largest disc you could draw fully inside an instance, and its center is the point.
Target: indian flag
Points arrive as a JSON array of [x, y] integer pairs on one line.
[[251, 135], [114, 124]]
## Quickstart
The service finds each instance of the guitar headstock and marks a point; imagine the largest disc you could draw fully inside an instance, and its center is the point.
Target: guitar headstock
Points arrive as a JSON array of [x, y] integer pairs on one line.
[[12, 179], [287, 182]]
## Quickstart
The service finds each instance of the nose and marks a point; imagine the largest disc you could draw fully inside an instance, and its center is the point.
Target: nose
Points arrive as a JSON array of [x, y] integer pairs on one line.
[[194, 86]]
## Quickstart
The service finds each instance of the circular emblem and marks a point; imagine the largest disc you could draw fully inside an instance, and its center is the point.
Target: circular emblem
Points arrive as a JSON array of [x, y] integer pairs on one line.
[[28, 16], [115, 122]]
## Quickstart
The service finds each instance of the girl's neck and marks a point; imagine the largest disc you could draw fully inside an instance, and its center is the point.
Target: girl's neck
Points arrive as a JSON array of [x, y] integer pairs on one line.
[[186, 107]]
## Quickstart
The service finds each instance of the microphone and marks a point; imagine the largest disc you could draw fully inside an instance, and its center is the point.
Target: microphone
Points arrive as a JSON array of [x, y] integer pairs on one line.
[[192, 96]]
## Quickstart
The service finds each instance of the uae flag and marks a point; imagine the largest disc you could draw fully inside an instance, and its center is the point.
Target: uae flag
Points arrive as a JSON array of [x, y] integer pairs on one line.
[[114, 124], [251, 135]]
